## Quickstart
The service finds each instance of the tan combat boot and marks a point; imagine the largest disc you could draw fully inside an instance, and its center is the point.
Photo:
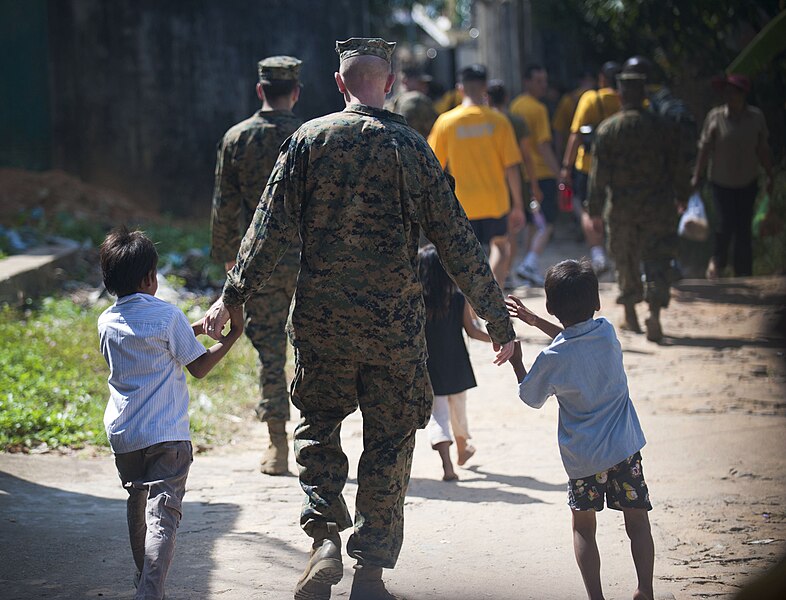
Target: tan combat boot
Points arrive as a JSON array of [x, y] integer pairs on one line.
[[324, 568], [274, 462], [367, 584]]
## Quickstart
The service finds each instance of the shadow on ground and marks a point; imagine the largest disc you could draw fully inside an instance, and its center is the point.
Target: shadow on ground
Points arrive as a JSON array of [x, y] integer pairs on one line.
[[48, 534]]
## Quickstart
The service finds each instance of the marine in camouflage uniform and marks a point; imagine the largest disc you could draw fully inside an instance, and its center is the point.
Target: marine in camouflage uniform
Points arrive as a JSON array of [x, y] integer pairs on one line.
[[634, 184], [413, 104], [246, 156], [358, 187]]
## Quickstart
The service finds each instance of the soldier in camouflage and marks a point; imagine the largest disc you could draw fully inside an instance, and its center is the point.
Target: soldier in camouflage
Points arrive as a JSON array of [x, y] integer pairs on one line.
[[246, 156], [636, 185], [358, 187], [412, 103]]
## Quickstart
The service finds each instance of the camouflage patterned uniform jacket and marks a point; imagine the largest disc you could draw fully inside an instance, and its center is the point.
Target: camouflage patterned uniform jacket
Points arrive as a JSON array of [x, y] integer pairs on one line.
[[634, 160], [416, 108], [246, 156], [358, 187]]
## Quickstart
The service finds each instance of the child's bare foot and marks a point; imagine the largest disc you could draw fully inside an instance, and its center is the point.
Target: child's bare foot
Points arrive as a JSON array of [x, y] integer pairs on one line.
[[641, 595], [463, 457], [451, 476]]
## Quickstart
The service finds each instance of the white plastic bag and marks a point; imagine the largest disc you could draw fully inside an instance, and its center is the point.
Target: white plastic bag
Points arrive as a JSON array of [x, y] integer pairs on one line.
[[693, 224]]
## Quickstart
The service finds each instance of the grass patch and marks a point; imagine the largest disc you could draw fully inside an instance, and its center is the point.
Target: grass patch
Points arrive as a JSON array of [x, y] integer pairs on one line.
[[53, 386]]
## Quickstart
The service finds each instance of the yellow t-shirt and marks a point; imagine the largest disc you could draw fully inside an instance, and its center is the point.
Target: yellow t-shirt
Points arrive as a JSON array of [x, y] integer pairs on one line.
[[476, 144], [563, 115], [537, 118], [594, 107]]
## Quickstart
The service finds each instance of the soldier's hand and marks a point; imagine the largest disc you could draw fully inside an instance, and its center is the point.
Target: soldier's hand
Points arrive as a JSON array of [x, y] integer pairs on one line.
[[215, 318], [504, 352]]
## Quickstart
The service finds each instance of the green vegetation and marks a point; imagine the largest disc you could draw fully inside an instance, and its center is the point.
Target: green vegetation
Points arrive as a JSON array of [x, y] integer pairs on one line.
[[53, 387]]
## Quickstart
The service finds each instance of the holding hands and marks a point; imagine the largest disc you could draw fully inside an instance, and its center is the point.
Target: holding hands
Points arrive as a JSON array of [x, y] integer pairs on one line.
[[516, 309]]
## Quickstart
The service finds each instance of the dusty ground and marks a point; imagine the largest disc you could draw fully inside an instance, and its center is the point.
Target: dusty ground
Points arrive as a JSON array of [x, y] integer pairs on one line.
[[711, 401]]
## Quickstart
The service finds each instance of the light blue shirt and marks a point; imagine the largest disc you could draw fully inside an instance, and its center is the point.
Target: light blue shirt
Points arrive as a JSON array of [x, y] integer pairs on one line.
[[146, 343], [598, 425]]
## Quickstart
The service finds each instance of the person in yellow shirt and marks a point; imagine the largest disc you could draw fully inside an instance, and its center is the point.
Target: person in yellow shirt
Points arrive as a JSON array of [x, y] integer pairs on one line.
[[477, 146], [594, 106], [533, 111], [563, 115]]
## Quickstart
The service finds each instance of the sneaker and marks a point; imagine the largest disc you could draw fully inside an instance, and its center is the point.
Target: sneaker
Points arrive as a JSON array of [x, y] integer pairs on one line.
[[514, 282], [600, 265], [530, 274]]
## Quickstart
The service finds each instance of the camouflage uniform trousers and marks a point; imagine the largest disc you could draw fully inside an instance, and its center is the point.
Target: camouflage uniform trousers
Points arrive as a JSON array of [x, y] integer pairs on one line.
[[395, 400], [266, 314], [643, 242]]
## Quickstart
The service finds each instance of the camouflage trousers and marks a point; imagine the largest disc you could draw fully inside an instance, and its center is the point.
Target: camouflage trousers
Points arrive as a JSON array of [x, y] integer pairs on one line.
[[395, 401], [643, 245], [266, 316]]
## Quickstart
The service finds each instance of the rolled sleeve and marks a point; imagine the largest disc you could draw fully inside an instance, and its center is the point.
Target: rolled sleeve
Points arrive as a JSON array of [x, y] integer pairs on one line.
[[535, 388]]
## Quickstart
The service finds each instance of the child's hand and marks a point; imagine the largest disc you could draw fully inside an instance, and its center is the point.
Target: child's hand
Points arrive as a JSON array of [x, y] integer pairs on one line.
[[517, 309], [235, 318], [516, 359]]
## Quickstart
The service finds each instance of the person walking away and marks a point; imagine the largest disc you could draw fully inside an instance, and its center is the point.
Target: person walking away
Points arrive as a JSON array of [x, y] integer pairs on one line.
[[412, 102], [635, 186], [498, 100], [732, 148], [246, 156], [594, 106], [146, 342], [358, 187], [477, 146], [529, 106], [566, 108], [600, 437], [449, 368]]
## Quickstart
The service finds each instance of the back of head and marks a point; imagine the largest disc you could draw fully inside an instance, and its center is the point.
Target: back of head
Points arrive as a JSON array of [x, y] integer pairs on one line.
[[127, 257], [631, 81], [278, 76], [531, 69], [365, 72], [609, 72], [572, 291], [437, 285], [498, 95]]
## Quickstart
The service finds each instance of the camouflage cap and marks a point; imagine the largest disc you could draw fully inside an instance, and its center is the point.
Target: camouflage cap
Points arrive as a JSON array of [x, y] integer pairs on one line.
[[279, 68], [365, 47]]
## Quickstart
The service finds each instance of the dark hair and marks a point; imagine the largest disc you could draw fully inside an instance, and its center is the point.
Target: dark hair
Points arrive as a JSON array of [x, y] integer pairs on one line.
[[572, 291], [497, 92], [127, 257], [474, 72], [438, 287], [530, 69], [279, 87]]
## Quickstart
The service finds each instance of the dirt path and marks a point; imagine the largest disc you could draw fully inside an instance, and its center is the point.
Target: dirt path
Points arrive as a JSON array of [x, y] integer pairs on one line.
[[711, 401]]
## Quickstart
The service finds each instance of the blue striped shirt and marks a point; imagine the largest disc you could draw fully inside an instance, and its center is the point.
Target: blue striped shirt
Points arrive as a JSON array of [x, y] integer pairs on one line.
[[598, 425], [146, 343]]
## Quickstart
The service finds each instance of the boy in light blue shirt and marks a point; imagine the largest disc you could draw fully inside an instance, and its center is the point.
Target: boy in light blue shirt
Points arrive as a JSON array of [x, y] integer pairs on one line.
[[146, 343], [599, 432]]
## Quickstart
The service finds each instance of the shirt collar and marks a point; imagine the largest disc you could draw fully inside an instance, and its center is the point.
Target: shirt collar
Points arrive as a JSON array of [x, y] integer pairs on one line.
[[269, 113], [132, 297], [581, 328], [379, 113]]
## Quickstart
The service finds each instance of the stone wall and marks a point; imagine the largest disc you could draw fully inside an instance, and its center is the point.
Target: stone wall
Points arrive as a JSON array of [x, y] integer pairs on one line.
[[142, 90]]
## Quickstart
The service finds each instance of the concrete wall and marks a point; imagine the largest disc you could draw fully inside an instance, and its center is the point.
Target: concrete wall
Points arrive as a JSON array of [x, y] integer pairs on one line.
[[142, 90]]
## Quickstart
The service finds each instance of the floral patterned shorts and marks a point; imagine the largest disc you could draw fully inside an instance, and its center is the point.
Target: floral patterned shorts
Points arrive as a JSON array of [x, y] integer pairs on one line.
[[623, 485]]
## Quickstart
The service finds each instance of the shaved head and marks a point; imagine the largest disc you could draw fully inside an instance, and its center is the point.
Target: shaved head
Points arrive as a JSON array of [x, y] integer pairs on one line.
[[365, 78], [358, 72]]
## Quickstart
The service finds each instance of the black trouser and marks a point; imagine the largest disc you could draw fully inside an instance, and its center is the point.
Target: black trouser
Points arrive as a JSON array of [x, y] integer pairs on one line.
[[734, 210]]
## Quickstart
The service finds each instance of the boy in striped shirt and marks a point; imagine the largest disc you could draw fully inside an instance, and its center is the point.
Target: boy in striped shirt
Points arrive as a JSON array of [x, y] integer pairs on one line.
[[146, 343]]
